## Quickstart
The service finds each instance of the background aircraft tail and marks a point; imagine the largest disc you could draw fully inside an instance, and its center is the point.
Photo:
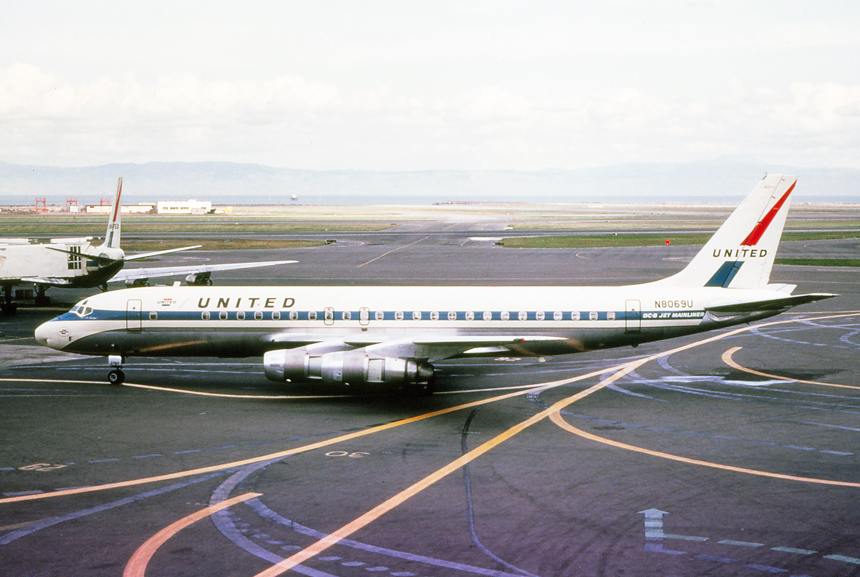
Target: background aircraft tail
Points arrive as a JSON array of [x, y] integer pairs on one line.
[[112, 236], [742, 251]]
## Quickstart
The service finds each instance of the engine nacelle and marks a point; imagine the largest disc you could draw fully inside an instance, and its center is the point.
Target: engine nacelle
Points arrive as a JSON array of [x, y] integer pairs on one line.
[[348, 368], [203, 278]]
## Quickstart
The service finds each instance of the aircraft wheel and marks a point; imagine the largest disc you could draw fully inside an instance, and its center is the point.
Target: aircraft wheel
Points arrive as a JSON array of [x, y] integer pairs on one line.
[[116, 377]]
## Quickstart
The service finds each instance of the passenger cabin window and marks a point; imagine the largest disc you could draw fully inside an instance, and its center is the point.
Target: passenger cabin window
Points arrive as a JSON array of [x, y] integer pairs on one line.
[[258, 315], [540, 315], [294, 315], [205, 315], [434, 316], [557, 316], [222, 315], [276, 315], [610, 316], [488, 315], [523, 315], [574, 316], [312, 315], [379, 315], [470, 315], [506, 315], [452, 315], [153, 316], [346, 315], [398, 316], [592, 316], [416, 315], [240, 315]]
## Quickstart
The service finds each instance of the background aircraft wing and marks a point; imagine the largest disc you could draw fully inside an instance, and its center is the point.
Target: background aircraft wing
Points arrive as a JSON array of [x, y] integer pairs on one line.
[[130, 275], [160, 252], [47, 281]]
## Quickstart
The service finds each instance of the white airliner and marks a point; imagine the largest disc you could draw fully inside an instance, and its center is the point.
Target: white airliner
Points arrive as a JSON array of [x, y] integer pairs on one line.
[[75, 263], [393, 335]]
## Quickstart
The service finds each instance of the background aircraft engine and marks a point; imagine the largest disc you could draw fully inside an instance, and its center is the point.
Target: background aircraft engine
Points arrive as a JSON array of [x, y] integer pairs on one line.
[[348, 368]]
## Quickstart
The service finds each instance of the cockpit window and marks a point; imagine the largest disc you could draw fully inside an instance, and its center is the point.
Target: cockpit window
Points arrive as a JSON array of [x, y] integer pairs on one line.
[[82, 310]]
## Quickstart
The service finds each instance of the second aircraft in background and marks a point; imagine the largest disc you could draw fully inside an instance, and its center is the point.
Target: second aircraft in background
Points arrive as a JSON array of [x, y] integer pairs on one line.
[[75, 263]]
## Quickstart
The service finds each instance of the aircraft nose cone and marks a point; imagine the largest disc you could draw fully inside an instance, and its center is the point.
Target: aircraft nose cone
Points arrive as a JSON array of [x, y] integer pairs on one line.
[[42, 332], [50, 335]]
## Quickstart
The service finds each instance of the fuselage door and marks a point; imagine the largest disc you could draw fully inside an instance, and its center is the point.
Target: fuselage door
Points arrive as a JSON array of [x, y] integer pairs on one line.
[[633, 318], [133, 315], [364, 316]]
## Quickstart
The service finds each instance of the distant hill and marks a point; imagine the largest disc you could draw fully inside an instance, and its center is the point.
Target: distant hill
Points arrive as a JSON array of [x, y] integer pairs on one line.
[[231, 183]]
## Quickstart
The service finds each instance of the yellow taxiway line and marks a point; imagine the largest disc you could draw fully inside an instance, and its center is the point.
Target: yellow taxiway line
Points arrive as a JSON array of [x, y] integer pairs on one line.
[[553, 412], [138, 562], [288, 452], [727, 358]]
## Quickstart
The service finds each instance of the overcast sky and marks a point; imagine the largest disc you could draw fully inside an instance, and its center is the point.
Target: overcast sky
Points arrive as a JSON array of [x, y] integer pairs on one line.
[[420, 85]]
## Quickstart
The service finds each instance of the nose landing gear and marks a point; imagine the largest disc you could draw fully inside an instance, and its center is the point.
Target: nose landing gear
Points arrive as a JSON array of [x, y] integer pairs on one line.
[[115, 375]]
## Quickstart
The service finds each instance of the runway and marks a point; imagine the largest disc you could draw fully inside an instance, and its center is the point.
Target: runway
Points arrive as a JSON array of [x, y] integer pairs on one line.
[[728, 453]]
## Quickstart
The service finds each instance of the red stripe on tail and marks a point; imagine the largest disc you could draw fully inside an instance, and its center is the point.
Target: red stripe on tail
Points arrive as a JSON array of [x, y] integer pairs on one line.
[[755, 235]]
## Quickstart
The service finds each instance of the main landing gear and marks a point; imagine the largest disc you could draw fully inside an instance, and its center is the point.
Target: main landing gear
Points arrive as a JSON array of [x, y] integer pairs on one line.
[[8, 307], [115, 375]]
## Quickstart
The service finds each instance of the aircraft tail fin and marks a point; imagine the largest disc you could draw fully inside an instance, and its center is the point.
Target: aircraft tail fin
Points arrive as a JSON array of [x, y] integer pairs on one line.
[[742, 251], [112, 236]]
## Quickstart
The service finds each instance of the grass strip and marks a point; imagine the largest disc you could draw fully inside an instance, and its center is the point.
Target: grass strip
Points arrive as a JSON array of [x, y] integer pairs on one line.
[[612, 240], [219, 244], [819, 261]]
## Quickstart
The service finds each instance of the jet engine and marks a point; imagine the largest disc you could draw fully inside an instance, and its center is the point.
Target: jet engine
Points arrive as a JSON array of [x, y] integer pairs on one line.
[[200, 278], [348, 368]]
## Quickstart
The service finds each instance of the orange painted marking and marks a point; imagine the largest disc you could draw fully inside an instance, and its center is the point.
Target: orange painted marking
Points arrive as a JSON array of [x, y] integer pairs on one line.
[[559, 420], [231, 396], [727, 358], [278, 455], [137, 564], [403, 496]]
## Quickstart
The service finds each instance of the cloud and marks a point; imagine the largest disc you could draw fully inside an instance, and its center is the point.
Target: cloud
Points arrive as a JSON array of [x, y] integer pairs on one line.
[[291, 121]]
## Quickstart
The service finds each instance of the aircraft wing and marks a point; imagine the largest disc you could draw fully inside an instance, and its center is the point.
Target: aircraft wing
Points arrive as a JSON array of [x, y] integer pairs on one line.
[[448, 346], [775, 304], [160, 252], [47, 281], [129, 275]]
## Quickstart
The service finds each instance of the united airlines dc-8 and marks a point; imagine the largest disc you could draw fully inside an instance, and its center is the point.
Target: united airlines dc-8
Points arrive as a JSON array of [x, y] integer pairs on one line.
[[393, 335]]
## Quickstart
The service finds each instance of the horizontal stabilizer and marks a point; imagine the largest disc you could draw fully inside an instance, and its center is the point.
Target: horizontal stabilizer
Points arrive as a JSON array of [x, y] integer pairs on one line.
[[102, 260], [774, 304]]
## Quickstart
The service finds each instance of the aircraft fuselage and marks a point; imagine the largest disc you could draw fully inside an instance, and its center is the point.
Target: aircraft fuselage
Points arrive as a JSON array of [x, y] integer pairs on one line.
[[249, 321]]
